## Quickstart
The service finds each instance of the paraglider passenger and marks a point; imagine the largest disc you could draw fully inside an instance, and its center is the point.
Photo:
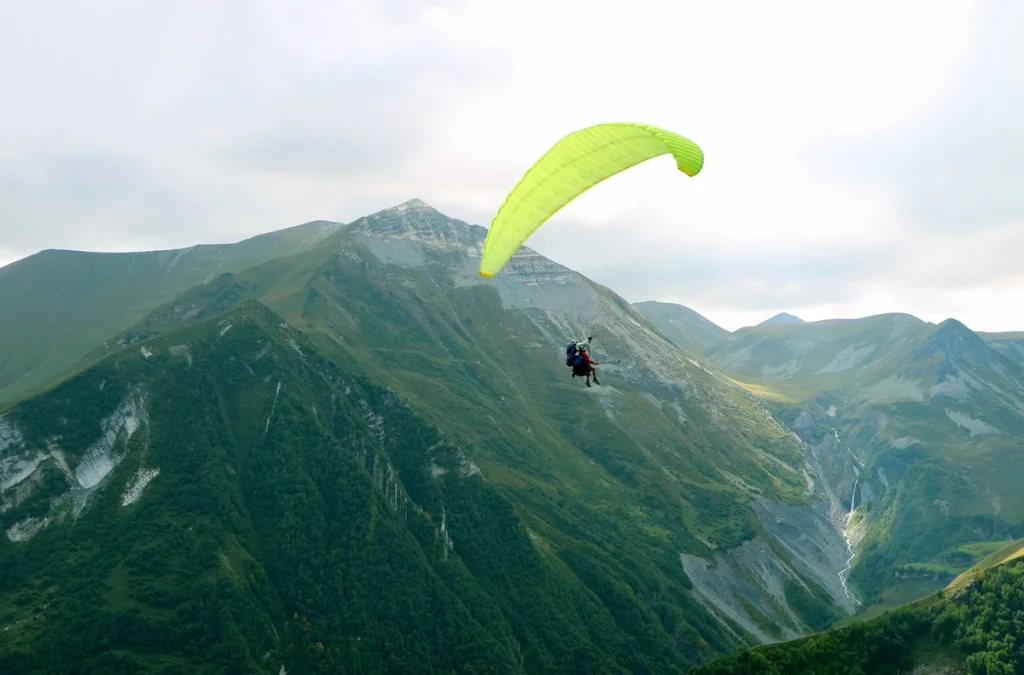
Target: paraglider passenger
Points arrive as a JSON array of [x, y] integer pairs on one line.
[[586, 367]]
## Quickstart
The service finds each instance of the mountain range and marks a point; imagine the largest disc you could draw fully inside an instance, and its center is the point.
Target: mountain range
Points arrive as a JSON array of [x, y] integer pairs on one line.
[[337, 446], [918, 427]]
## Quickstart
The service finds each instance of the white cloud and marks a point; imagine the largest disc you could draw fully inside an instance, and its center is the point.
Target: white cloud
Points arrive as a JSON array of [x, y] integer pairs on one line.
[[818, 121], [212, 121], [959, 164]]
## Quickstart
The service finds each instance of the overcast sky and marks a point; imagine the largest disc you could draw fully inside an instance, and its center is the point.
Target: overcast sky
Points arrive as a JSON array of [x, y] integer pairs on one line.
[[860, 158]]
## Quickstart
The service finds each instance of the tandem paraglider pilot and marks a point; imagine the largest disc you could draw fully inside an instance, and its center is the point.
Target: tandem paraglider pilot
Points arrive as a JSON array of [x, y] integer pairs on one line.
[[577, 356]]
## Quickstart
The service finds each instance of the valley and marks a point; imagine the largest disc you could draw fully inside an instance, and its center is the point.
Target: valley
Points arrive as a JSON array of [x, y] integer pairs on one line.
[[970, 627]]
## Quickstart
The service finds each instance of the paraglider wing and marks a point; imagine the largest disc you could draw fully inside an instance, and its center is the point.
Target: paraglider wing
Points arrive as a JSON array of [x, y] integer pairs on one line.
[[572, 166]]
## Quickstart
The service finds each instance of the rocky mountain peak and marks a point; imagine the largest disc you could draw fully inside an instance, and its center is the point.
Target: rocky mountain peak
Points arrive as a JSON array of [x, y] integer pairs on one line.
[[416, 220], [957, 340], [414, 204]]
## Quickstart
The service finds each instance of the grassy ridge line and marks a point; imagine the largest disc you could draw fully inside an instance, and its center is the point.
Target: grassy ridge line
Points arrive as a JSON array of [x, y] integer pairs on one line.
[[66, 302], [976, 632], [1004, 555], [1000, 557]]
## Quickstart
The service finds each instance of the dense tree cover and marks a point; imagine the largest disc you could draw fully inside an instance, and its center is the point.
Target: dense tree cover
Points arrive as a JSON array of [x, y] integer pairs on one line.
[[307, 518], [981, 627]]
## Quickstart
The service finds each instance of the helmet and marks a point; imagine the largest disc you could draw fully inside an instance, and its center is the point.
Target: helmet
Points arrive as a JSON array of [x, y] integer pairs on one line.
[[583, 348]]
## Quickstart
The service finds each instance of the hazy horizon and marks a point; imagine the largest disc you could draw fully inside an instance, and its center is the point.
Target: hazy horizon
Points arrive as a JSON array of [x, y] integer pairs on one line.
[[839, 182]]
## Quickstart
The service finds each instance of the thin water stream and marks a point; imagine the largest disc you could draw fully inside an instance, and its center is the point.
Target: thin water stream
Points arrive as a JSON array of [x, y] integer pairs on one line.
[[849, 544]]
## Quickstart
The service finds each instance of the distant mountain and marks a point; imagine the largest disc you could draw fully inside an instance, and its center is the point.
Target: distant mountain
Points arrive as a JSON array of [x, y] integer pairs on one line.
[[363, 434], [1010, 345], [821, 354], [781, 318], [57, 305], [918, 426], [682, 325]]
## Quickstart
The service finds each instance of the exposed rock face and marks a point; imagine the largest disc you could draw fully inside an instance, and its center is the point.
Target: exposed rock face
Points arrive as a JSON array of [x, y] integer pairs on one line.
[[747, 573], [814, 544], [22, 468]]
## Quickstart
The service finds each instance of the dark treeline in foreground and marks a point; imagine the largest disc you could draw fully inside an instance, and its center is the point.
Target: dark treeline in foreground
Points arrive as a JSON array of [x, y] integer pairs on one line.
[[984, 626]]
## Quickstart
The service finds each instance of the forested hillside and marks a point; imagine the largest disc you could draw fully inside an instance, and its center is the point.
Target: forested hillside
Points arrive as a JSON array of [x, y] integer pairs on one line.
[[976, 632], [224, 499]]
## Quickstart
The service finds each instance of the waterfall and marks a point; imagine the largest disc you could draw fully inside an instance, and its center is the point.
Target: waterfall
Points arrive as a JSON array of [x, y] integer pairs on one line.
[[849, 544]]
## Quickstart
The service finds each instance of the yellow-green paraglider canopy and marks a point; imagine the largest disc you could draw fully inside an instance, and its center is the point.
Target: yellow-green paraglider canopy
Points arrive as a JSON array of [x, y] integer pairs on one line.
[[572, 166]]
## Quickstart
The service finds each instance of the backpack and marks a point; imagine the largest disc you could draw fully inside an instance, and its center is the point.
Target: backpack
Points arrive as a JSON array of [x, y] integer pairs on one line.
[[570, 354]]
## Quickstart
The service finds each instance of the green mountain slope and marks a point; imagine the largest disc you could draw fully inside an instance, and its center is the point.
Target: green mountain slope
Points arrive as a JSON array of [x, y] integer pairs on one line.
[[973, 627], [919, 426], [682, 325], [668, 494], [225, 499], [1001, 554], [807, 358], [913, 581], [1010, 345], [57, 305]]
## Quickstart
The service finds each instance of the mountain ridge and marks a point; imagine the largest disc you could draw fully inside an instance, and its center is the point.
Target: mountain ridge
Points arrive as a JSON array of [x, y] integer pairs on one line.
[[68, 301], [782, 318], [684, 326]]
